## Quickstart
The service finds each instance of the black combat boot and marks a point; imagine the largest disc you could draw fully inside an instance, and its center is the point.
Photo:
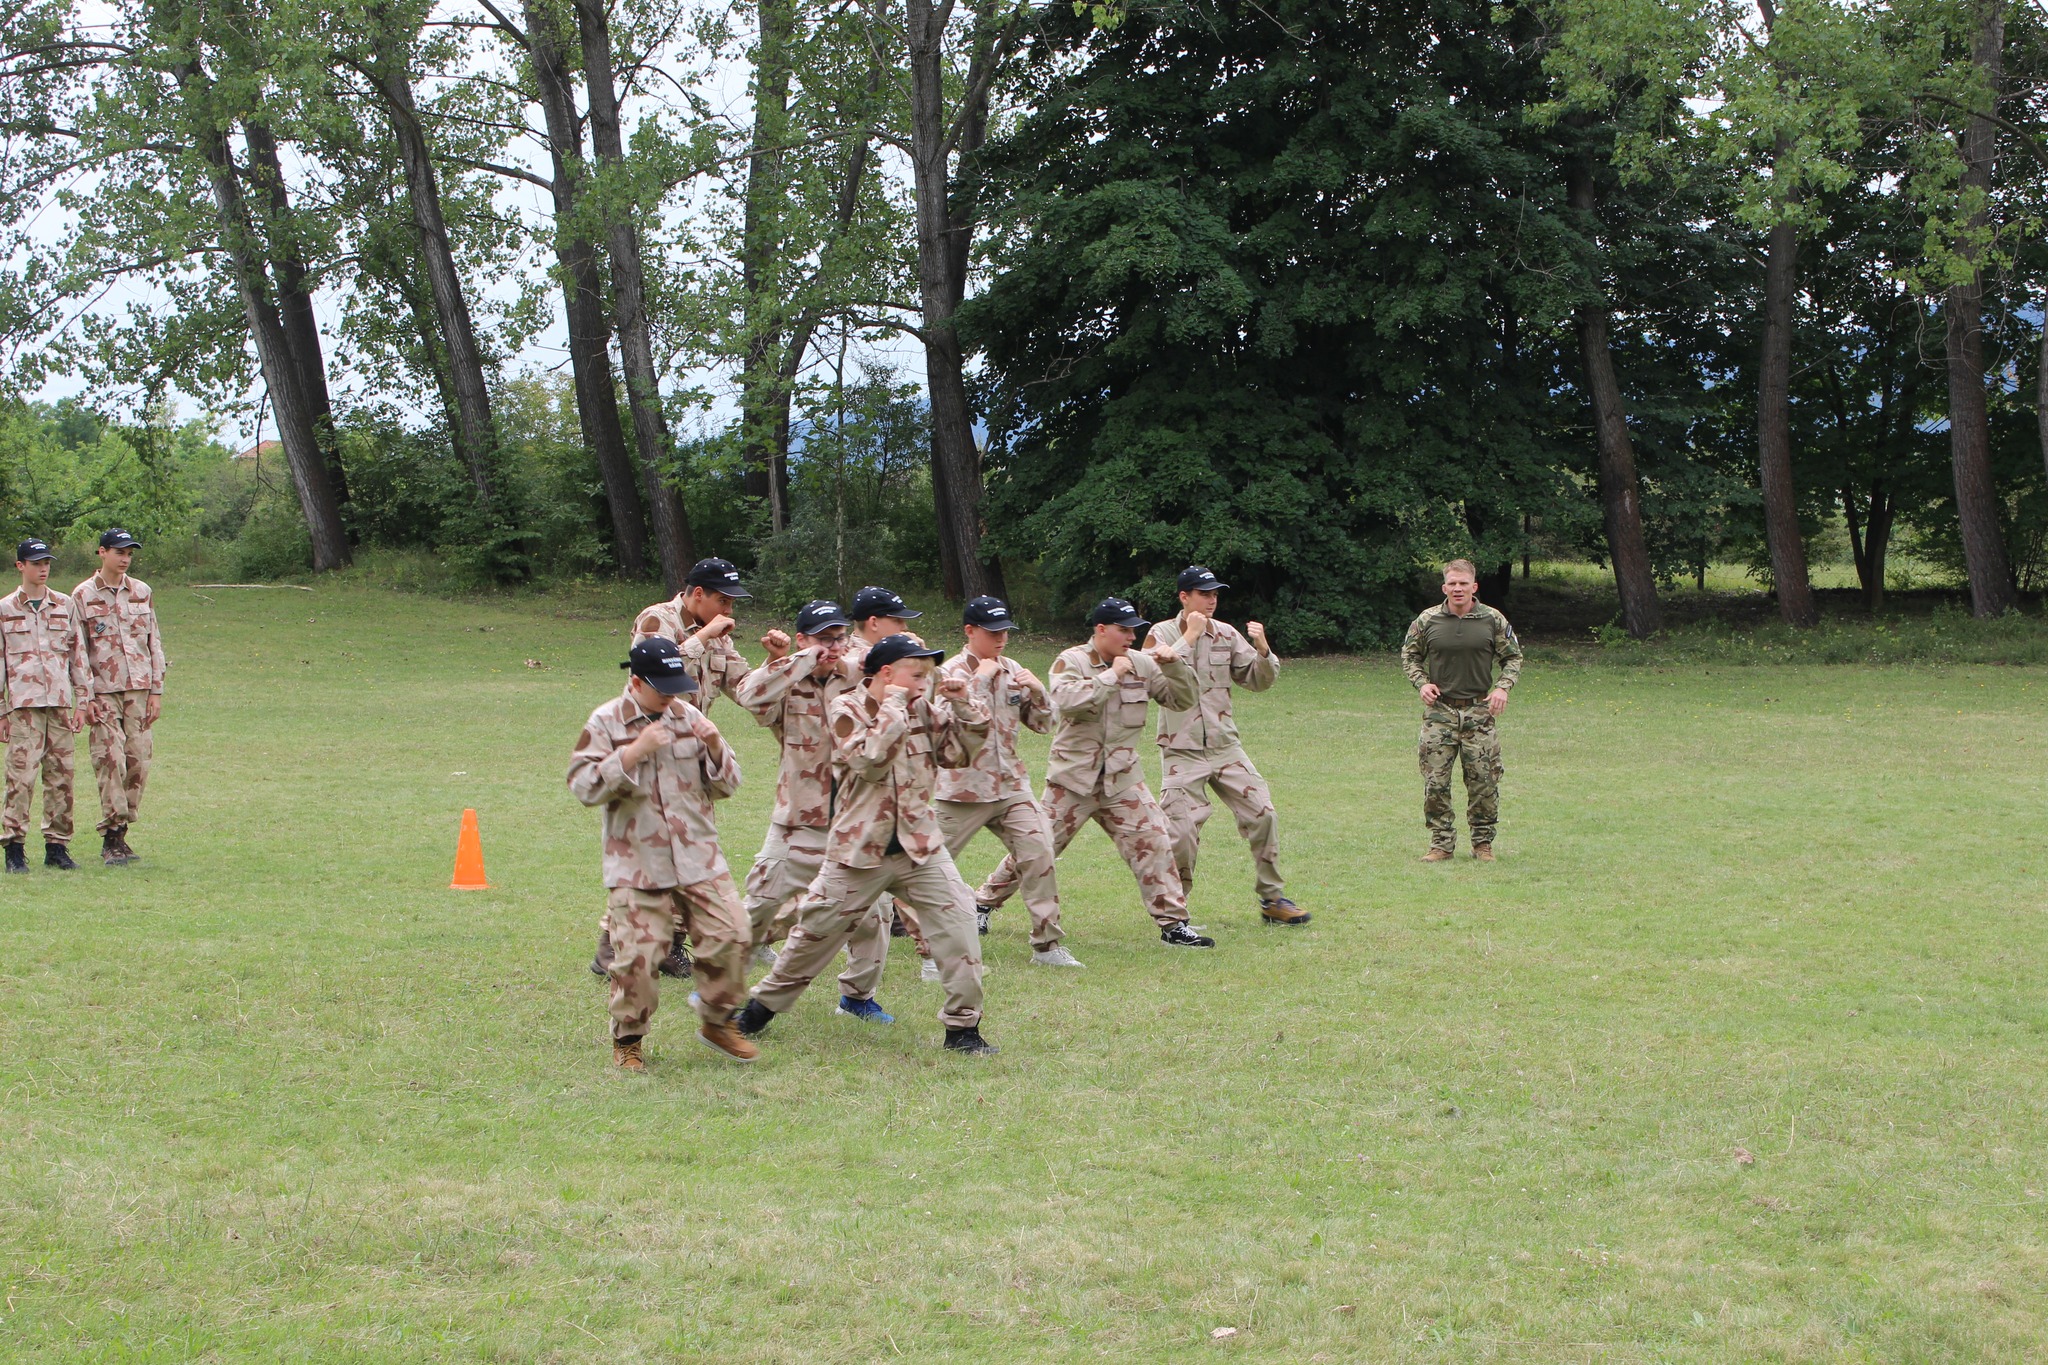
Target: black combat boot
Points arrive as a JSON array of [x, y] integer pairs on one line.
[[969, 1041], [127, 850], [17, 860], [754, 1020], [55, 855], [110, 849], [677, 963], [601, 965]]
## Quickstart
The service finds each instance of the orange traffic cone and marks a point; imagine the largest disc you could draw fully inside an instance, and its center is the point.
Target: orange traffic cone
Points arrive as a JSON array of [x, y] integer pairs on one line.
[[469, 857]]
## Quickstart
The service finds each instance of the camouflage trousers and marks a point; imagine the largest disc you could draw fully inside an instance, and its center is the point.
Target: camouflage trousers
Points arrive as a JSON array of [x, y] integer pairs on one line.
[[38, 738], [1460, 734], [643, 924], [1024, 832], [1134, 823], [121, 748], [842, 897], [1184, 797], [788, 863]]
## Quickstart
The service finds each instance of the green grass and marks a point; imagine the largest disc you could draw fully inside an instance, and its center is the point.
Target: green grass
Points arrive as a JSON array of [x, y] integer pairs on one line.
[[277, 1094]]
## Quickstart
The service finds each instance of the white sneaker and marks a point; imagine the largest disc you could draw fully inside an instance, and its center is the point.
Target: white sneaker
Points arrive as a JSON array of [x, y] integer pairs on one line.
[[1055, 956], [929, 971]]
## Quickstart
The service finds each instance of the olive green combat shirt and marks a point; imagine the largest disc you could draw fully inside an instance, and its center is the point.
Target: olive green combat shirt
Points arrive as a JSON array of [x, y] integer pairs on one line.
[[1458, 653]]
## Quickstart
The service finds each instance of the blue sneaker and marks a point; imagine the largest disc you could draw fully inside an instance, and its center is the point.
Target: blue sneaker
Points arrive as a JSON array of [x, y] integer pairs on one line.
[[867, 1011]]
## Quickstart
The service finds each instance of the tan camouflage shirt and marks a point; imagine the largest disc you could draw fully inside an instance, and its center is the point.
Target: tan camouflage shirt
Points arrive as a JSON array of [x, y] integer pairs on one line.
[[122, 646], [1222, 658], [1094, 748], [716, 667], [1014, 698], [789, 696], [886, 758], [659, 828], [42, 653]]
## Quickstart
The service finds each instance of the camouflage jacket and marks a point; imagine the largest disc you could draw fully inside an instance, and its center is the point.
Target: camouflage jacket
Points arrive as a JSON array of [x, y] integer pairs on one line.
[[1100, 716], [1222, 658], [886, 758], [716, 667], [122, 646], [1459, 653], [42, 653], [789, 696], [1014, 698], [659, 829]]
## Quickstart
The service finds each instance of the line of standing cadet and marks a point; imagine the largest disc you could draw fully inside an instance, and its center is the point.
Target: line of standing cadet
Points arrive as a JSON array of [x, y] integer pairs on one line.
[[889, 766]]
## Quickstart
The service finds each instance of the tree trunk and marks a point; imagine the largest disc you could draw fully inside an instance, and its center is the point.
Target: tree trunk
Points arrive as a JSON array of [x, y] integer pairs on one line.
[[764, 400], [294, 300], [1969, 418], [476, 433], [944, 232], [1620, 493], [629, 301], [288, 402], [1774, 429], [590, 356]]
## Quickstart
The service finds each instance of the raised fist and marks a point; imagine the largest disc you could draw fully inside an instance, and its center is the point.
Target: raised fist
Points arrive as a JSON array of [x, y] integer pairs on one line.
[[1197, 624], [1256, 633], [717, 628], [776, 642]]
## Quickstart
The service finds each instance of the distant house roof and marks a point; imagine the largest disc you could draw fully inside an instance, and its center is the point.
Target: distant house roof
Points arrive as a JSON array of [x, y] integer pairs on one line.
[[260, 449]]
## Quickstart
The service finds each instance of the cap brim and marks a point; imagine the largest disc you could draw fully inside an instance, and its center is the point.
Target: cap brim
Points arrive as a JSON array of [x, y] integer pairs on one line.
[[43, 558], [1134, 622], [826, 624], [123, 545], [671, 685], [1000, 625]]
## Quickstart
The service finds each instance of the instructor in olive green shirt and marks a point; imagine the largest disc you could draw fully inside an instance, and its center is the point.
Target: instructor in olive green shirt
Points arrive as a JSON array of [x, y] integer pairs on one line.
[[1450, 656]]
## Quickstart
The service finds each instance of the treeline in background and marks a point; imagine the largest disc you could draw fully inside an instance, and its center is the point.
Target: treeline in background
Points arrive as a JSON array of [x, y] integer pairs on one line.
[[1063, 296]]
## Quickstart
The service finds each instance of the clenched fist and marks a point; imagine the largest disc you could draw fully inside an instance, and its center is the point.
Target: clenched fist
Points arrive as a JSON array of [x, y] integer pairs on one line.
[[953, 688], [1256, 633], [1196, 624], [717, 628], [776, 643]]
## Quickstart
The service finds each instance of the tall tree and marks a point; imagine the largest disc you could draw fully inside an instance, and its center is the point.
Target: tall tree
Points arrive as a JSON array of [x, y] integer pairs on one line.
[[942, 133]]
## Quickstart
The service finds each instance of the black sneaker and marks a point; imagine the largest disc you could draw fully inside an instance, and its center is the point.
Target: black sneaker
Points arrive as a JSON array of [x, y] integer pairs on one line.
[[970, 1041], [896, 929], [601, 965], [57, 856], [754, 1020], [981, 914], [1180, 936], [17, 860], [677, 963]]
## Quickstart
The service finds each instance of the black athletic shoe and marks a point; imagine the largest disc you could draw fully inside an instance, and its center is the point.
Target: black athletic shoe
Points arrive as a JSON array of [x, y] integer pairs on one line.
[[17, 860], [57, 856], [1180, 936], [754, 1020], [981, 914], [970, 1041], [896, 929]]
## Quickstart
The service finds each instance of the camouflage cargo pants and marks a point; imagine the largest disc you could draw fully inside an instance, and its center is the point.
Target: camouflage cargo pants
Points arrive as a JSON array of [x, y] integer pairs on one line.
[[1024, 832], [788, 863], [843, 896], [37, 738], [1454, 735], [1184, 797], [643, 924], [1134, 823], [121, 748]]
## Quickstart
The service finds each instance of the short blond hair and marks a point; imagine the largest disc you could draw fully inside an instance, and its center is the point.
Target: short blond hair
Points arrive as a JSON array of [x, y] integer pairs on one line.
[[1465, 564]]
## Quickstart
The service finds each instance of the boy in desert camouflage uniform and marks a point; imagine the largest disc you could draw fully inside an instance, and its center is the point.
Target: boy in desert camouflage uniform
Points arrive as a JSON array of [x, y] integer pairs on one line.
[[44, 690], [125, 652]]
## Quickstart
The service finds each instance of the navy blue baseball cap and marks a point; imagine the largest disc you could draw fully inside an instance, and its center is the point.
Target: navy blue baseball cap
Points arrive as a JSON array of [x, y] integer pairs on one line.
[[659, 664], [1115, 611], [718, 575], [30, 550], [892, 648], [819, 615], [118, 539], [989, 613], [1195, 578], [881, 602]]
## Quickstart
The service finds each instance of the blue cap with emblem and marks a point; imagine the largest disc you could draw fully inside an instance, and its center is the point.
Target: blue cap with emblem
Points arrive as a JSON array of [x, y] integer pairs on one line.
[[30, 550], [716, 575], [1115, 611], [658, 663], [881, 602], [990, 613]]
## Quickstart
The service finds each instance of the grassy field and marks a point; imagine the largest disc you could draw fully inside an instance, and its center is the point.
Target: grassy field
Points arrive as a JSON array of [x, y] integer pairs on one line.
[[1738, 1053]]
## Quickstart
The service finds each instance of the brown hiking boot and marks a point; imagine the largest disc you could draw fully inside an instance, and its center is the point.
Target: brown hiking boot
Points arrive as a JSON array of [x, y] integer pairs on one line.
[[724, 1036], [1483, 852], [677, 963], [626, 1057], [110, 849], [1282, 911], [127, 851], [1437, 855]]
